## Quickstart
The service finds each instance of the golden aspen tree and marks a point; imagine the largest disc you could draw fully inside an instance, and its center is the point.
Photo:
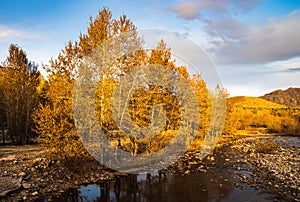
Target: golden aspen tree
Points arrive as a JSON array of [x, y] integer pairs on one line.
[[54, 120], [19, 79]]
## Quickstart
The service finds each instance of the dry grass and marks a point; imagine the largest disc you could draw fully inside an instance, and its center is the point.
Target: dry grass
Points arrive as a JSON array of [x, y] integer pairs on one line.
[[254, 102]]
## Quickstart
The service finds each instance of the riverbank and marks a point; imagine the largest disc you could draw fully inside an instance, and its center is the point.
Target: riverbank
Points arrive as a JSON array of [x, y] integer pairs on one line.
[[31, 176], [276, 165], [268, 164]]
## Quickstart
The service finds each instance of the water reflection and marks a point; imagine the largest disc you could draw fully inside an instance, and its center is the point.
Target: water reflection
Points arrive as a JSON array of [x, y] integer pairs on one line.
[[217, 184], [169, 187]]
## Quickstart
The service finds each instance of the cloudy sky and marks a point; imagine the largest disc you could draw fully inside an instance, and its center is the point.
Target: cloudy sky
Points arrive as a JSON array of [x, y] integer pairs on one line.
[[255, 44]]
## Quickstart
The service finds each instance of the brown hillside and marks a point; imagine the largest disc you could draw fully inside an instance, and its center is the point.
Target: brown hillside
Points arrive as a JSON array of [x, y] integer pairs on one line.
[[289, 97], [253, 102]]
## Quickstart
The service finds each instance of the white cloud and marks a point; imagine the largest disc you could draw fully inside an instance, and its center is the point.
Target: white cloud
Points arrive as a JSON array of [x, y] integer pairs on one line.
[[257, 80], [8, 33], [188, 10], [286, 66], [234, 42], [193, 9], [35, 43], [277, 40], [227, 29]]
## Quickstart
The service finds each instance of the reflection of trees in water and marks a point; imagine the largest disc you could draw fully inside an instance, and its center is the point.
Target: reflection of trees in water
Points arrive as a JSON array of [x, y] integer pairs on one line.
[[104, 191], [161, 187], [117, 187], [171, 188], [72, 195]]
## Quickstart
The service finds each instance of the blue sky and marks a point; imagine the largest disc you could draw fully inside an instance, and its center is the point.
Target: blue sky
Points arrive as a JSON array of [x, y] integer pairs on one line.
[[255, 44]]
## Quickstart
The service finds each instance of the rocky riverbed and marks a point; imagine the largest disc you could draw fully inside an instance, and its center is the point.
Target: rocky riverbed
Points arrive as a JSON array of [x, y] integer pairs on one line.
[[267, 163], [271, 165], [31, 176], [276, 165]]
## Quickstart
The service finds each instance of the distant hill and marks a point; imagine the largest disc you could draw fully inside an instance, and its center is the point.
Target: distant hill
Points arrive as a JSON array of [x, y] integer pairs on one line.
[[253, 102], [289, 97]]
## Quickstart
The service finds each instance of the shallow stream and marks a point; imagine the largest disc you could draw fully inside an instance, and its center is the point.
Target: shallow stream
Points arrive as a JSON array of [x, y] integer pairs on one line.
[[217, 184]]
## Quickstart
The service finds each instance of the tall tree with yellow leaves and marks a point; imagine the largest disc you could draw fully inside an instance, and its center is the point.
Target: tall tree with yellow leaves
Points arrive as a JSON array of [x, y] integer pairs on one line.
[[19, 80], [54, 119], [55, 123]]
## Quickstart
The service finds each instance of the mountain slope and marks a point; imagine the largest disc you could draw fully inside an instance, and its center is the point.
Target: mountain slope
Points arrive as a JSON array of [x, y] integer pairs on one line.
[[289, 97], [253, 102]]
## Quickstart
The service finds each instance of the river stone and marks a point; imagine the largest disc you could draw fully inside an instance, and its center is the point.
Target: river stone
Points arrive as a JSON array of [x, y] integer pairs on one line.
[[26, 185], [8, 185], [22, 174], [35, 193]]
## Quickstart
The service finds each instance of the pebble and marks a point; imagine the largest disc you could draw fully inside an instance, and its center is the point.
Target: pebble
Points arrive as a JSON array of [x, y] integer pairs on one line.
[[26, 185], [35, 193], [22, 174]]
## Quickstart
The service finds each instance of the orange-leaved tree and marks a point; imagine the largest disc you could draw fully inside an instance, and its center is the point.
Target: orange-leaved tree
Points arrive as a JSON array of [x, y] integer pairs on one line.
[[54, 118], [19, 81]]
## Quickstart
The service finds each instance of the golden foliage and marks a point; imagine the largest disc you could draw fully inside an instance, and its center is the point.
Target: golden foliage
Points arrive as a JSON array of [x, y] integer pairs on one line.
[[19, 92], [55, 124], [248, 113]]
